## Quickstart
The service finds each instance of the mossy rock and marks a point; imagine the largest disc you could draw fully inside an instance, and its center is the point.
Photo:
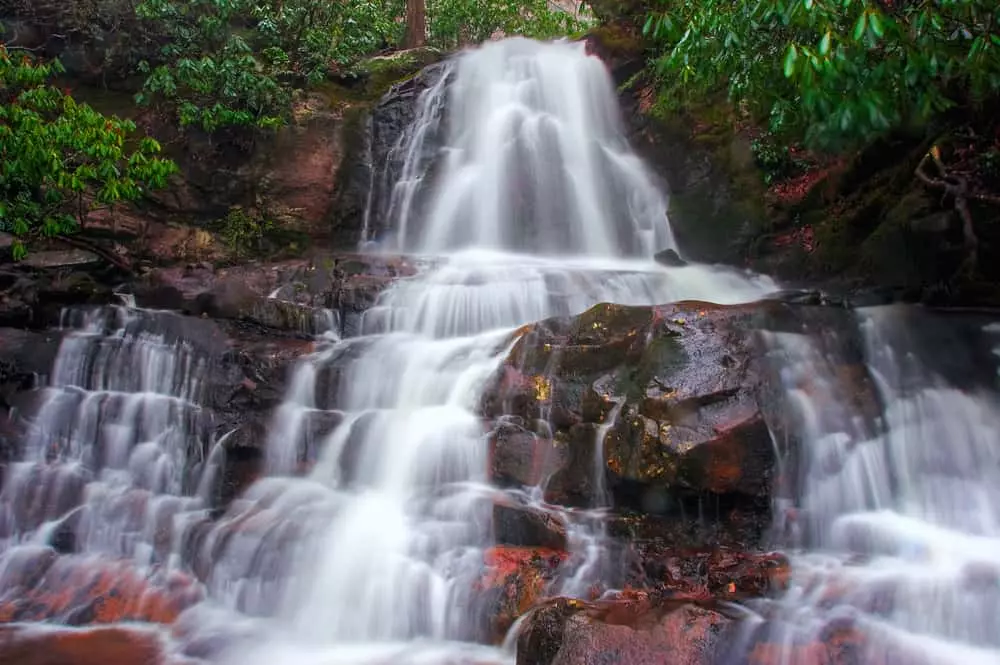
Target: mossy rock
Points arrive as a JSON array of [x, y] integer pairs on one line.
[[717, 193], [382, 72]]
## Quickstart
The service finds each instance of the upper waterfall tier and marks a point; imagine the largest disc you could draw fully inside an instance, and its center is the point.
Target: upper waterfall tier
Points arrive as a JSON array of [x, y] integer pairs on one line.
[[519, 146]]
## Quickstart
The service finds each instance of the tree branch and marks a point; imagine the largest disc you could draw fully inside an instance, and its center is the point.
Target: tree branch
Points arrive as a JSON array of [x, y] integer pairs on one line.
[[108, 256], [957, 187]]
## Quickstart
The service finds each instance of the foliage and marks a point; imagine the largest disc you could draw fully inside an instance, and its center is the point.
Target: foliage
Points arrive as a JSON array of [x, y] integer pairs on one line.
[[244, 232], [237, 62], [774, 159], [835, 72], [115, 38], [56, 153], [454, 23]]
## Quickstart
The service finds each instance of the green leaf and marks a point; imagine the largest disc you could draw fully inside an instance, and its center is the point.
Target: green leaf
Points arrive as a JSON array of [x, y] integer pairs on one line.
[[824, 44], [790, 58], [649, 24], [876, 24], [860, 26]]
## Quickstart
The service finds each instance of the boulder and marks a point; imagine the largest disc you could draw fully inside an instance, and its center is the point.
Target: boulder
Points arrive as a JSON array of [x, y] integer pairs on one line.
[[635, 628], [514, 580], [669, 258], [667, 396], [29, 645], [527, 526], [520, 457], [88, 590]]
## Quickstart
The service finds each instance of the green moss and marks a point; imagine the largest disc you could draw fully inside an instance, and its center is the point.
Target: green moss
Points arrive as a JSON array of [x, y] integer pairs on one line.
[[616, 41], [382, 72], [663, 355]]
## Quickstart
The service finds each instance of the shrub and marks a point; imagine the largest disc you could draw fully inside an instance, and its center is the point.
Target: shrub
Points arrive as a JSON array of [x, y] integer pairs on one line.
[[836, 72], [60, 158]]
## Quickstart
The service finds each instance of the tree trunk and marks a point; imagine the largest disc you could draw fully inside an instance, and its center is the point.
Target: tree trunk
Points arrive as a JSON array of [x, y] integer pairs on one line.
[[416, 23]]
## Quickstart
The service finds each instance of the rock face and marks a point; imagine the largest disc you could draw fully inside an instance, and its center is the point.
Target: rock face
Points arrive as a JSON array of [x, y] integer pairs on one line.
[[370, 178], [101, 646], [642, 631], [81, 591], [655, 405], [664, 416]]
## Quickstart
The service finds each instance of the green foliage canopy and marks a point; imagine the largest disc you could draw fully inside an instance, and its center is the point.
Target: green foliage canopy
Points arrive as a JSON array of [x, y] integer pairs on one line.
[[834, 72], [237, 63], [453, 23], [55, 154]]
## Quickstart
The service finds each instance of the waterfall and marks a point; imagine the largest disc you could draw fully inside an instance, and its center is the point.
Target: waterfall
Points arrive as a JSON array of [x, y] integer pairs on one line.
[[114, 435], [534, 206], [533, 159], [516, 189], [898, 524], [522, 196]]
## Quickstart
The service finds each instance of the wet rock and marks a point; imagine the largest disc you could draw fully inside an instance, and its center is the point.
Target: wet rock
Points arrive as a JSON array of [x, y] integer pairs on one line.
[[527, 526], [298, 296], [580, 480], [86, 590], [244, 459], [682, 382], [721, 573], [245, 452], [515, 579], [690, 523], [555, 362], [251, 376], [637, 630], [519, 457], [669, 258], [25, 359], [391, 118], [665, 453], [29, 645]]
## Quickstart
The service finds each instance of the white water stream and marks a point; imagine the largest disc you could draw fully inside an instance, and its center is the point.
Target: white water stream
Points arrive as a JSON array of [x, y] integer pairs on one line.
[[898, 533], [535, 207], [540, 209]]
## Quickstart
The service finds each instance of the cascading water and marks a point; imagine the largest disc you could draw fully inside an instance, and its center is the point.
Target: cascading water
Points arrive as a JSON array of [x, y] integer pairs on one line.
[[534, 160], [897, 529], [534, 166], [532, 206], [114, 435], [517, 187]]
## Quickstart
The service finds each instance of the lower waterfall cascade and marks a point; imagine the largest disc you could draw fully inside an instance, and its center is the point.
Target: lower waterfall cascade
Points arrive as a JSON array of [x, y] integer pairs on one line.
[[517, 191]]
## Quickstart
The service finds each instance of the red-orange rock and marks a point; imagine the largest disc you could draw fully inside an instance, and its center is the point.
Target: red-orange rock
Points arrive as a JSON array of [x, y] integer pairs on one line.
[[24, 645], [638, 630], [88, 590], [515, 580]]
